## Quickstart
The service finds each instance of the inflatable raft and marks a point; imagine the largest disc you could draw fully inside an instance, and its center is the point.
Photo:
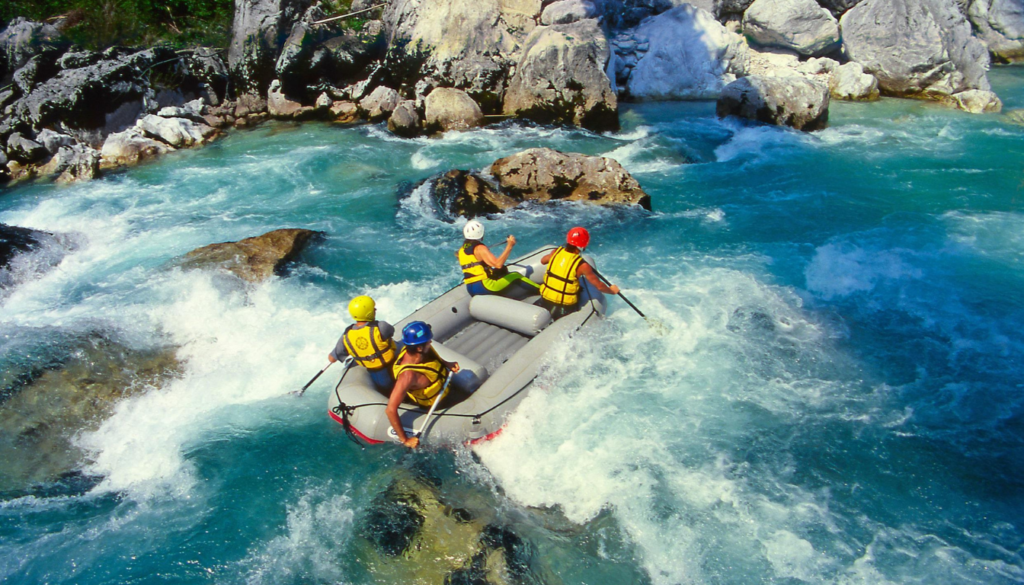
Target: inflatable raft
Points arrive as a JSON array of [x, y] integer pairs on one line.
[[499, 343]]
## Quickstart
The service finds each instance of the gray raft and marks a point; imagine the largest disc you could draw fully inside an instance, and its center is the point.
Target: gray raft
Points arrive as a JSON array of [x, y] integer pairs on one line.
[[499, 344]]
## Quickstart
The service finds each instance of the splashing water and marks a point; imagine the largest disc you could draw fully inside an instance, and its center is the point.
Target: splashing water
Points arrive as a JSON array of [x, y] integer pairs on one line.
[[838, 397]]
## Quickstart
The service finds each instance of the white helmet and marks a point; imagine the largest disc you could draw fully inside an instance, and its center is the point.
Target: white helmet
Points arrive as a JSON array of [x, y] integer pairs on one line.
[[474, 230]]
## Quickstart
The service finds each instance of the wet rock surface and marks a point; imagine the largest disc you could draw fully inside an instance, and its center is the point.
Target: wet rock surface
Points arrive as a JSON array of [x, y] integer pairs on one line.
[[543, 174], [42, 407], [782, 101], [252, 259]]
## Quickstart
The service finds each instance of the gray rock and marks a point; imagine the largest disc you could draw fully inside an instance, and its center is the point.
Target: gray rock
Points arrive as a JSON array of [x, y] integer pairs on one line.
[[566, 11], [784, 101], [282, 107], [690, 56], [543, 174], [181, 112], [344, 112], [77, 59], [206, 66], [561, 78], [24, 39], [925, 47], [405, 120], [258, 33], [978, 101], [451, 109], [725, 8], [73, 163], [53, 140], [1000, 25], [796, 25], [466, 44], [130, 147], [81, 98], [177, 132], [24, 150], [323, 102], [849, 82], [380, 103], [37, 70]]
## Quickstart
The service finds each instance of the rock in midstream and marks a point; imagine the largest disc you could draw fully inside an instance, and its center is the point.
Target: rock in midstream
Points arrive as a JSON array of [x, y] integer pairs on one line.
[[783, 101], [42, 409], [252, 259]]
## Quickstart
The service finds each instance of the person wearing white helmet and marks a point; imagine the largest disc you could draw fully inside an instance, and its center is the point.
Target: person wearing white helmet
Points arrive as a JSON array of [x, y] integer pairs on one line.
[[485, 274]]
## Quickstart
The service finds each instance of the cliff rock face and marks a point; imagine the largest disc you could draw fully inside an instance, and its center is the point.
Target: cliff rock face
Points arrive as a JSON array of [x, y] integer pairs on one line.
[[543, 174], [22, 40], [561, 78], [465, 44], [783, 101], [681, 54], [915, 47], [1000, 25], [258, 33]]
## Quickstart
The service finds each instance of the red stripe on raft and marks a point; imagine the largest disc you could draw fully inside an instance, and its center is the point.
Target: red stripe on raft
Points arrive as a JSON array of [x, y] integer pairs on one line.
[[484, 438], [341, 421]]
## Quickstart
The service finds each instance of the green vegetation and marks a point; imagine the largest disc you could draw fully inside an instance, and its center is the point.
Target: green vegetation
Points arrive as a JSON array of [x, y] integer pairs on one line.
[[98, 24]]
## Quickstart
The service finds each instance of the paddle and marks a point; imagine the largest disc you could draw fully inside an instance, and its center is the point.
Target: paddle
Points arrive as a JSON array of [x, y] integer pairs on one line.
[[655, 324], [430, 413], [348, 363]]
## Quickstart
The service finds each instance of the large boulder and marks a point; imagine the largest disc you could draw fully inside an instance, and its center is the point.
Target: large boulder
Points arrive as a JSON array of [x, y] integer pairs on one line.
[[849, 82], [281, 106], [468, 194], [543, 174], [466, 44], [977, 101], [252, 259], [784, 101], [796, 25], [451, 109], [25, 150], [258, 33], [73, 163], [566, 11], [405, 120], [24, 39], [915, 47], [681, 54], [561, 78], [130, 147], [380, 103], [177, 132], [1000, 25]]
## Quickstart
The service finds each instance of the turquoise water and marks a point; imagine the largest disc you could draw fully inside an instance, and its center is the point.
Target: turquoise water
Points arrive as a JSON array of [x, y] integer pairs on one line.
[[838, 400]]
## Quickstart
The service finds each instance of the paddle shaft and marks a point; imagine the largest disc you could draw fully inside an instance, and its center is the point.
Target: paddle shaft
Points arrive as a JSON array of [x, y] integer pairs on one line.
[[622, 296]]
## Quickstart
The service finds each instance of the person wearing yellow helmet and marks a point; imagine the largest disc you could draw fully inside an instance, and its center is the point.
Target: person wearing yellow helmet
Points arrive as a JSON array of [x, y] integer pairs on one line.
[[369, 342], [482, 272]]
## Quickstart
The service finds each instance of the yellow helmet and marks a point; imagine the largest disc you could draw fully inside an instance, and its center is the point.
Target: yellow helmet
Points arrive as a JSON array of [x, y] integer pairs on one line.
[[362, 308]]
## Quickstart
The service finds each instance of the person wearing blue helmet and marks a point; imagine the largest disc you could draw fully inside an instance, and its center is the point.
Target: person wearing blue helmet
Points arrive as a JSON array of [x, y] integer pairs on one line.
[[420, 376]]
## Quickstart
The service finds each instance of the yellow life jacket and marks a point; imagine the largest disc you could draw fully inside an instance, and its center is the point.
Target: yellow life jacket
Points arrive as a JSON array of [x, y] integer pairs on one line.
[[435, 372], [368, 347], [473, 270], [561, 285]]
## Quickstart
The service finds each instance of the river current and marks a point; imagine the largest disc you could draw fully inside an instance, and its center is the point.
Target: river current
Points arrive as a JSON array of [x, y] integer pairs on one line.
[[838, 397]]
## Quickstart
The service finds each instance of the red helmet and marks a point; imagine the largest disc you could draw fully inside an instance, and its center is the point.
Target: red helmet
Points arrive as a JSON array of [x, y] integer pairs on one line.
[[578, 237]]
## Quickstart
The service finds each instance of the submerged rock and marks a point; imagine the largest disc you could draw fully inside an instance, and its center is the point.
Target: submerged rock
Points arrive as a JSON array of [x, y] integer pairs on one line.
[[44, 409], [783, 101], [543, 174], [252, 259]]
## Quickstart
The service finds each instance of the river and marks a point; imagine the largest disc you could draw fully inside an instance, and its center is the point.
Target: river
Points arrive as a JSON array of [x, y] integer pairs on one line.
[[838, 397]]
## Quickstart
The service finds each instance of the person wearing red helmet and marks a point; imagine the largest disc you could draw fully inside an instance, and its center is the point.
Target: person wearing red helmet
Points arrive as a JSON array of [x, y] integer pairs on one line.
[[560, 291]]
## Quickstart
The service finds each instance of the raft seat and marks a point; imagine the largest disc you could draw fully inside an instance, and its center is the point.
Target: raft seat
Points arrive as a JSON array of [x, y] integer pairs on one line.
[[471, 374]]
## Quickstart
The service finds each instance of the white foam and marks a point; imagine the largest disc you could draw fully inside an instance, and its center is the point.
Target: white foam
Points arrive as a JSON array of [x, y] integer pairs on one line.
[[755, 141], [838, 270]]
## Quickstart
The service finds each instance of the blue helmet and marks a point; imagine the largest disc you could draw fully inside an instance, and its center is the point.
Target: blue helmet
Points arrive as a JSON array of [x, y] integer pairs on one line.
[[417, 333]]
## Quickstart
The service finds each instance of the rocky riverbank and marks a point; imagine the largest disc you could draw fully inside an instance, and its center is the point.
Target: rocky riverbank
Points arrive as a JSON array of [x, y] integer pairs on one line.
[[429, 66]]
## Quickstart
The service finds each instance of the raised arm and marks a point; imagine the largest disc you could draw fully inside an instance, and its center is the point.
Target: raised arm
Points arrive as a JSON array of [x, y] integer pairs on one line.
[[484, 254], [588, 272]]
